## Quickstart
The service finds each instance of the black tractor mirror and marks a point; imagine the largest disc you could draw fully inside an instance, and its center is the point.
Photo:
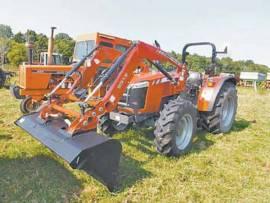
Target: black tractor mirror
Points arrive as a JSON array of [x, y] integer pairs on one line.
[[223, 52], [214, 50], [226, 50]]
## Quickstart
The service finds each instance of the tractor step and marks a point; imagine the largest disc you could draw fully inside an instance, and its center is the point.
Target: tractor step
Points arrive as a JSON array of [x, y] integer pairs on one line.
[[96, 154]]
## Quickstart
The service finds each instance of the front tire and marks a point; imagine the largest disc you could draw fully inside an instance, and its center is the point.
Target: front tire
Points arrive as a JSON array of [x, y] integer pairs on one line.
[[109, 127], [221, 118], [28, 106], [176, 127]]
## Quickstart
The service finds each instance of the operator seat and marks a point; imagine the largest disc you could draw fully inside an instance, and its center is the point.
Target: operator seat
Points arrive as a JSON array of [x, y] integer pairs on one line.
[[194, 79]]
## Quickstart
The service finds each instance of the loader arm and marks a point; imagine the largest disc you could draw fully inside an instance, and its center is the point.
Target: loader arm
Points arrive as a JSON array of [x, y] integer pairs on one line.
[[85, 74], [127, 63]]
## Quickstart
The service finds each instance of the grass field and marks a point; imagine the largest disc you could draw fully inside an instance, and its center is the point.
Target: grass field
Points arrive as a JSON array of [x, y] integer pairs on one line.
[[231, 167]]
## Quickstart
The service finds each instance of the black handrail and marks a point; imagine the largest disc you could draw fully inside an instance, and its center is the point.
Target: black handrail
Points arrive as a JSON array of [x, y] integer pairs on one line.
[[214, 51]]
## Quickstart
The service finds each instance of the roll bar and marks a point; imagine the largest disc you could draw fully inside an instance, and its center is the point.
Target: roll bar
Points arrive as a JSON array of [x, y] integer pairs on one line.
[[214, 50]]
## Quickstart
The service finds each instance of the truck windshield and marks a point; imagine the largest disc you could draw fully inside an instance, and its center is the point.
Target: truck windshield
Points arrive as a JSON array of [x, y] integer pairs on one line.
[[57, 59], [82, 48]]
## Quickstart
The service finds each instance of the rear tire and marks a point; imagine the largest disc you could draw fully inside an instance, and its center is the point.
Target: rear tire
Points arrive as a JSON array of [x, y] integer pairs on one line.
[[176, 127], [109, 127], [221, 118], [28, 106]]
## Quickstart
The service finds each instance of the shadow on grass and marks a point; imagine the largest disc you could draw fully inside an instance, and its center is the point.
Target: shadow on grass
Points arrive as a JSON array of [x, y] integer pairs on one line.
[[144, 140], [42, 178], [39, 179], [5, 137], [130, 172], [141, 140], [241, 124], [200, 142], [7, 86]]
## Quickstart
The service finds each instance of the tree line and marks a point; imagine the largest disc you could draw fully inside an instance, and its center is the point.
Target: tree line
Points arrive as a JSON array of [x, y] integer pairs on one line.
[[14, 51], [225, 64], [13, 47]]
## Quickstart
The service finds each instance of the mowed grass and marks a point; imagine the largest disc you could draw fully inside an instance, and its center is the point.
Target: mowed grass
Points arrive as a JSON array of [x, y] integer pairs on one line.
[[230, 167]]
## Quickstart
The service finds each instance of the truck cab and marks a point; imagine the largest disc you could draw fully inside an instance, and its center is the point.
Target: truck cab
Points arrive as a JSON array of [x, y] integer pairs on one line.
[[86, 42]]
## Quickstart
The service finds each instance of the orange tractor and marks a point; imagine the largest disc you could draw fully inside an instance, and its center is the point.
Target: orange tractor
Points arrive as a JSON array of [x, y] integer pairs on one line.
[[174, 102], [35, 81]]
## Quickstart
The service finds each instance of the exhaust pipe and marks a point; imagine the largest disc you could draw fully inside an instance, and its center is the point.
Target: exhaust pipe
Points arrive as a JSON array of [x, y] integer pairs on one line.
[[50, 46], [30, 46]]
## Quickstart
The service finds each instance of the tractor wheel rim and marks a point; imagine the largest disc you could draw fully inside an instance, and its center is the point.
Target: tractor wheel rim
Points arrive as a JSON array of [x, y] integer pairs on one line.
[[227, 111], [31, 106], [184, 133]]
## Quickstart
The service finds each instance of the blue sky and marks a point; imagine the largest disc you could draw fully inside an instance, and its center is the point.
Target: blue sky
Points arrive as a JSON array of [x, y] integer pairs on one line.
[[244, 25]]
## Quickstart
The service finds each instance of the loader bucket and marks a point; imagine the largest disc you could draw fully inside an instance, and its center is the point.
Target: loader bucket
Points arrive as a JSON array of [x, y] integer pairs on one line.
[[97, 155]]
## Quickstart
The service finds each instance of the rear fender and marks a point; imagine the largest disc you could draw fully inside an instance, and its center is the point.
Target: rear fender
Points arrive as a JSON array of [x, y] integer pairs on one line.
[[209, 91], [15, 92]]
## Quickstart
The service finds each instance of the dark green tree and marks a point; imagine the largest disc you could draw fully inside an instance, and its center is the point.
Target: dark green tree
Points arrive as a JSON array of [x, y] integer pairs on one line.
[[19, 37], [226, 64], [41, 44], [65, 47], [30, 36], [61, 36], [5, 31], [4, 46], [17, 53]]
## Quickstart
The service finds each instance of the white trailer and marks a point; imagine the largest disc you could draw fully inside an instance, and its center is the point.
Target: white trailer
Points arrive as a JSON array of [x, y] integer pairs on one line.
[[250, 79], [268, 81], [268, 76]]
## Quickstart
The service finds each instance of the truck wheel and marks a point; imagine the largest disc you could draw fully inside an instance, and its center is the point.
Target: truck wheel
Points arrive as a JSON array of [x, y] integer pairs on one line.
[[109, 127], [175, 127], [28, 106], [221, 118]]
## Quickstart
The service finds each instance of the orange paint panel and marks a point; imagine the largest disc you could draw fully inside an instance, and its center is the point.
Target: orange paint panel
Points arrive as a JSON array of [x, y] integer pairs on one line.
[[208, 92]]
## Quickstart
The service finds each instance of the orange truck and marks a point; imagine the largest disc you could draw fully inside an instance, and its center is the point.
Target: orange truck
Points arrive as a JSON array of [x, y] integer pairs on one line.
[[35, 81]]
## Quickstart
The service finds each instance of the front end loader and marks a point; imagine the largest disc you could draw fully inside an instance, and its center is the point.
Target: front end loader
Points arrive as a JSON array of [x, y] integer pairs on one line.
[[174, 102]]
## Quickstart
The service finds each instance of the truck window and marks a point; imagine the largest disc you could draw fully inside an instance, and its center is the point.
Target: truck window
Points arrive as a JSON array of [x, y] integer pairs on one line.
[[106, 44], [57, 59], [120, 47], [83, 48]]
